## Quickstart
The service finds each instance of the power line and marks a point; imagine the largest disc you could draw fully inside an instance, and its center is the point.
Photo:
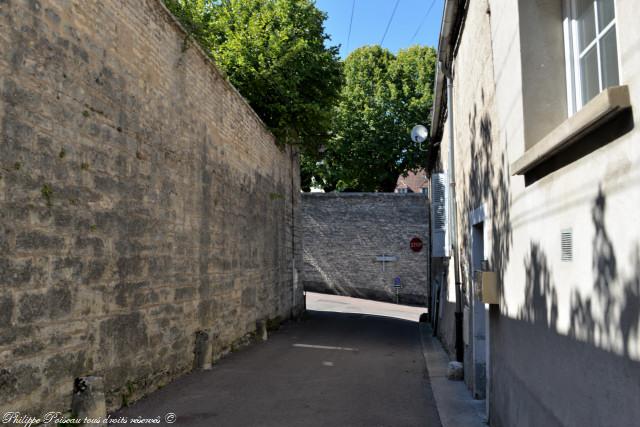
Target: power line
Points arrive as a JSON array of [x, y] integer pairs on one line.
[[424, 19], [353, 7], [389, 23]]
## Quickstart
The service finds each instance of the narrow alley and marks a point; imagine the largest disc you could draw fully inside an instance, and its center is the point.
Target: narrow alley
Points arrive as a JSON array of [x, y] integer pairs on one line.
[[320, 213], [341, 366]]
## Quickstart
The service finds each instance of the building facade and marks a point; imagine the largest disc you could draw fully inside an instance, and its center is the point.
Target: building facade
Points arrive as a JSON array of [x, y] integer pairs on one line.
[[535, 126]]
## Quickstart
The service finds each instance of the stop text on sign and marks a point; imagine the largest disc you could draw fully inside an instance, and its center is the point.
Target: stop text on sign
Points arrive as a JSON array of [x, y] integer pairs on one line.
[[415, 244]]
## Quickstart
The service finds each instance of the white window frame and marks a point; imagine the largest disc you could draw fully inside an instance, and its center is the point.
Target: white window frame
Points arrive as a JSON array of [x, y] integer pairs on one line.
[[573, 55]]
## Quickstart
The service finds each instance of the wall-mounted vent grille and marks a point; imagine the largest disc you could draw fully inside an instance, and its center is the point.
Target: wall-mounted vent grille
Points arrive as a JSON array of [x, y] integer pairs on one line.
[[439, 215], [566, 245]]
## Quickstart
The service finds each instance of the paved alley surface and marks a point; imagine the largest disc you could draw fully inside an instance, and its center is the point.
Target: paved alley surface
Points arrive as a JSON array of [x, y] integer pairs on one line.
[[335, 368]]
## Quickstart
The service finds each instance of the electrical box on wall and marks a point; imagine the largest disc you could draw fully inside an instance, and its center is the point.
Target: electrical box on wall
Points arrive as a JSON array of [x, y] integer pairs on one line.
[[486, 283]]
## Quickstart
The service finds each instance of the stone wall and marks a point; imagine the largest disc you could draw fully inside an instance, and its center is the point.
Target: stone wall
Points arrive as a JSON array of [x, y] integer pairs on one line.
[[141, 202], [345, 232]]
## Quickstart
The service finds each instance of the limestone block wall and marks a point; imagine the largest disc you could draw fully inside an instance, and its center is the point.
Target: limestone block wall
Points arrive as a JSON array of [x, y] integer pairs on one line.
[[344, 233], [141, 201]]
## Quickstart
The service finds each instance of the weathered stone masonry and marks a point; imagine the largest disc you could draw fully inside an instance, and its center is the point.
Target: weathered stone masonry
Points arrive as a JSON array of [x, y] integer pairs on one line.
[[142, 203], [345, 232]]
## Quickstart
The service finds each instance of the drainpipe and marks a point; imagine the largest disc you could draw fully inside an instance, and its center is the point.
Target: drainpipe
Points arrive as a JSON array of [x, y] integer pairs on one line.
[[454, 221]]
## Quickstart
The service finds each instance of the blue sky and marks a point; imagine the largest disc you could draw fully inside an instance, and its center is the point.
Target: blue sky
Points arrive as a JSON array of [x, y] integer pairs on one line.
[[370, 19]]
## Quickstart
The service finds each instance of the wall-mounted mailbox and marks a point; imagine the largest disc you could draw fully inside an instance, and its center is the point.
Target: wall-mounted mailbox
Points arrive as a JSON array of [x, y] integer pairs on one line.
[[486, 283]]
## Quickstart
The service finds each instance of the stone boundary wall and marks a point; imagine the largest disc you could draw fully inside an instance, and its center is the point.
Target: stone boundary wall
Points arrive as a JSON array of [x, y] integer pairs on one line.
[[345, 232], [144, 208]]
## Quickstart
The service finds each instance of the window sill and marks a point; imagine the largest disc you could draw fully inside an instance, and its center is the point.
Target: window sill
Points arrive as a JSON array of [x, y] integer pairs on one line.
[[598, 111]]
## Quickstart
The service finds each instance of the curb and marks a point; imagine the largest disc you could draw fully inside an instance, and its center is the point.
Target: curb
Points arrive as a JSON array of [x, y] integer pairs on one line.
[[455, 405]]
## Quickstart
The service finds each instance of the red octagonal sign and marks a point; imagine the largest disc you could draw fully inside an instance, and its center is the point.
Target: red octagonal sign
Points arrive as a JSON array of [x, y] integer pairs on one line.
[[415, 244]]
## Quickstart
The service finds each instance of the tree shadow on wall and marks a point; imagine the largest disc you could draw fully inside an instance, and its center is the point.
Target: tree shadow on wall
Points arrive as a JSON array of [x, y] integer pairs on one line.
[[541, 307], [586, 363], [615, 297], [630, 309], [619, 298], [319, 269], [488, 182]]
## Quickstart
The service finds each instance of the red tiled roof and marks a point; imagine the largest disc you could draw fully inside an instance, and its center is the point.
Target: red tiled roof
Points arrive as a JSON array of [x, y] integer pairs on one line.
[[415, 182]]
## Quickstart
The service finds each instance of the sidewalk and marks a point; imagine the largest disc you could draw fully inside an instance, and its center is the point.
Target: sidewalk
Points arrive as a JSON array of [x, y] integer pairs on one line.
[[455, 405]]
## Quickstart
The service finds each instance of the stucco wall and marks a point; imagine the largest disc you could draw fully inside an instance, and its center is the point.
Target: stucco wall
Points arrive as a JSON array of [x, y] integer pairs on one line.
[[345, 232], [481, 178], [141, 200], [565, 339]]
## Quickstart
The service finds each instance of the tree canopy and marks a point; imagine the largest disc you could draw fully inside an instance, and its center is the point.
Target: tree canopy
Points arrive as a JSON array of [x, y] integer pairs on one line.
[[383, 97], [273, 52], [352, 119]]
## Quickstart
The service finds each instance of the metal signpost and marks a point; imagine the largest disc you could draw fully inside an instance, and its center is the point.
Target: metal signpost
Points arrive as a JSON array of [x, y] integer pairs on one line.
[[396, 286]]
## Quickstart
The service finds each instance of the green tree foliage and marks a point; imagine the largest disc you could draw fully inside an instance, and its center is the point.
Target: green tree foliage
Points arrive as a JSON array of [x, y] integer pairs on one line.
[[273, 52], [383, 97], [196, 16]]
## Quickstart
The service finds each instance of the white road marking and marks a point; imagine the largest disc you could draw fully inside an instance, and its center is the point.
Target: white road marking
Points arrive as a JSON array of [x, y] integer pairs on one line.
[[325, 347]]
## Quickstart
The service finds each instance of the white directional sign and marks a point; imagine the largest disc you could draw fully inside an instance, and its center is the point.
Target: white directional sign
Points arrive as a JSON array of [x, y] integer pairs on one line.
[[386, 258]]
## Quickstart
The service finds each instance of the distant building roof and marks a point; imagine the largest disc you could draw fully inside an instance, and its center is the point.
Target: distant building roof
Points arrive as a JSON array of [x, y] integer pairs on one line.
[[412, 183]]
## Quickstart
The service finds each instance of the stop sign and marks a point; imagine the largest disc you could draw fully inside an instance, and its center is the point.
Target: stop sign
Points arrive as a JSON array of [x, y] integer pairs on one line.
[[415, 244]]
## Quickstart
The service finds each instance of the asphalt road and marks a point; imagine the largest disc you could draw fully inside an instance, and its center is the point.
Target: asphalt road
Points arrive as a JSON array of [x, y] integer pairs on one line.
[[342, 368]]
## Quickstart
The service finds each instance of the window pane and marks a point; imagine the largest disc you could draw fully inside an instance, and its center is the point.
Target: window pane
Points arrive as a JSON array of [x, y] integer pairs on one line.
[[586, 18], [606, 13], [589, 75], [609, 58]]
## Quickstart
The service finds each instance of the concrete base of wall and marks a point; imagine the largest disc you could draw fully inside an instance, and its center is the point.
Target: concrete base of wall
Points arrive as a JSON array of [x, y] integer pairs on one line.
[[543, 367]]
